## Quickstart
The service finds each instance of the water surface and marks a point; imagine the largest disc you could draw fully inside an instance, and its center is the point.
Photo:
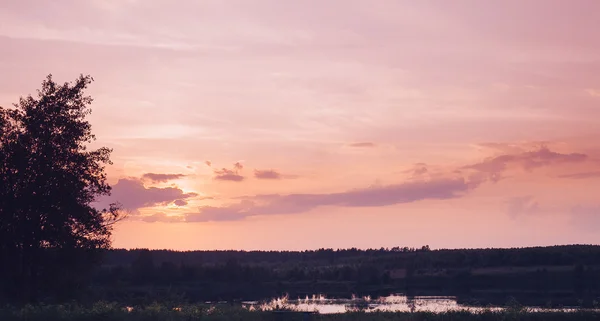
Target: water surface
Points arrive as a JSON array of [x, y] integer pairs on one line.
[[392, 303]]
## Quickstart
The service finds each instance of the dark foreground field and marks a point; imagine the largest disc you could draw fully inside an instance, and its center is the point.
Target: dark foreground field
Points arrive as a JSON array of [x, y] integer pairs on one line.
[[115, 312]]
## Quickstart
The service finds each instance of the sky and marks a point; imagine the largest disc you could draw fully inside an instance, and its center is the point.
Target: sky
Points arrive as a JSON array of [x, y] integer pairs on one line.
[[270, 124]]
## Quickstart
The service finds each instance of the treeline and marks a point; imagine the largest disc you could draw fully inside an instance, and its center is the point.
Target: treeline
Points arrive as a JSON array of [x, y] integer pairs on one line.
[[390, 258], [232, 281], [143, 275]]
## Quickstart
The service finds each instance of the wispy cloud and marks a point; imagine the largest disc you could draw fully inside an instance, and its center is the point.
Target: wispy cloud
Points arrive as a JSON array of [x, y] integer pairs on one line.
[[512, 148], [363, 144], [368, 197], [419, 170], [161, 178], [267, 174], [581, 175], [528, 161], [158, 217]]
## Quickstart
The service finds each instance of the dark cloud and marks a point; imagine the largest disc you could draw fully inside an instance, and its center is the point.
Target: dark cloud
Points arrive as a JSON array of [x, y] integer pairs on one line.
[[180, 202], [368, 197], [226, 174], [582, 175], [531, 160], [161, 178], [132, 195], [267, 174], [363, 144]]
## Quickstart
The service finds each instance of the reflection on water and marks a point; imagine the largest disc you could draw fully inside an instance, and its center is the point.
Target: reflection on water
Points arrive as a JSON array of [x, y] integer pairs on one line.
[[392, 303]]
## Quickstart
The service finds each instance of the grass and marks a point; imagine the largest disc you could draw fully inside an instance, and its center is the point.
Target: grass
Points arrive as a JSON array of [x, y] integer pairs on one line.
[[103, 311]]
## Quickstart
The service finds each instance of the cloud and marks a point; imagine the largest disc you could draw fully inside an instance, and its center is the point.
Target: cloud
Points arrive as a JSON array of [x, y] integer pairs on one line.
[[581, 175], [267, 174], [423, 183], [503, 147], [180, 202], [161, 178], [418, 171], [514, 148], [226, 174], [377, 196], [158, 217], [363, 144], [233, 212], [528, 161], [133, 195]]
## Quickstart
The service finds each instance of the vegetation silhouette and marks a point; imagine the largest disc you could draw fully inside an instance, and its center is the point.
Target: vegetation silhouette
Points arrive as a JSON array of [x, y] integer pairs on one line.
[[541, 276], [50, 234]]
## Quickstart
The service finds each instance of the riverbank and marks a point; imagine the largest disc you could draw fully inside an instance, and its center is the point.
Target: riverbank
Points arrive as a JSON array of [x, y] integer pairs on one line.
[[155, 312]]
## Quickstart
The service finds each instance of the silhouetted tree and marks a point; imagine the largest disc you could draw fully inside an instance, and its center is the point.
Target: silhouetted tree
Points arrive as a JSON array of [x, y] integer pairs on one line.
[[48, 182]]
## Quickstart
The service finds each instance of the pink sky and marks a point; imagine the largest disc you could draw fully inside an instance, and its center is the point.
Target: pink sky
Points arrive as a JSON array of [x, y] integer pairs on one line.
[[274, 124]]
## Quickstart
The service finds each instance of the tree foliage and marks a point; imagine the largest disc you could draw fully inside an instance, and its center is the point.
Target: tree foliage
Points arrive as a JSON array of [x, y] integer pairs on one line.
[[48, 182]]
